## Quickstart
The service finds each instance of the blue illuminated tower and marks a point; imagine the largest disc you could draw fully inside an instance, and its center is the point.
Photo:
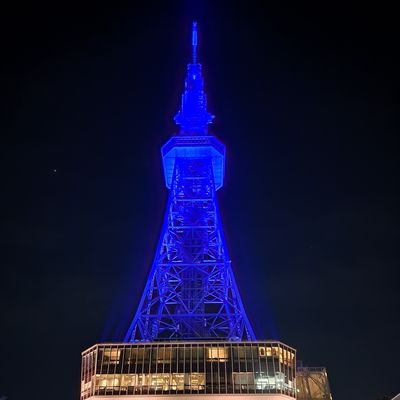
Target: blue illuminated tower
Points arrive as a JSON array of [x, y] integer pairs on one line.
[[191, 293], [190, 337]]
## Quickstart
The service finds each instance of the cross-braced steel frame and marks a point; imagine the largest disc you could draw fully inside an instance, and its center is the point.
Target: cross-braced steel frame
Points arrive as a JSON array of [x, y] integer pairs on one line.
[[191, 292]]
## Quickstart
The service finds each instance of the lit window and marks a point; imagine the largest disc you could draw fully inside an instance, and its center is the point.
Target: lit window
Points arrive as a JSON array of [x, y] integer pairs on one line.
[[217, 353], [178, 381], [112, 356], [128, 380], [197, 381], [143, 380], [243, 378], [107, 380], [160, 381]]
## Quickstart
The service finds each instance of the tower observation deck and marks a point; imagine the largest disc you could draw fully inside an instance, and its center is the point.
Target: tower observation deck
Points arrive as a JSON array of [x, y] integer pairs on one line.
[[190, 337]]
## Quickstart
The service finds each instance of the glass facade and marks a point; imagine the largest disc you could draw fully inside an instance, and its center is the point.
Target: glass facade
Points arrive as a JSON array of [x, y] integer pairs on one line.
[[171, 368], [312, 384]]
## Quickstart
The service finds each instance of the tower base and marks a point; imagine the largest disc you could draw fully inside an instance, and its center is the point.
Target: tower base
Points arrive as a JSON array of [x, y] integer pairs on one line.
[[197, 370]]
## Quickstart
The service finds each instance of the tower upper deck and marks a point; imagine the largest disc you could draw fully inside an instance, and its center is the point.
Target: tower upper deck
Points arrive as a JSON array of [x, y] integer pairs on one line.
[[193, 139]]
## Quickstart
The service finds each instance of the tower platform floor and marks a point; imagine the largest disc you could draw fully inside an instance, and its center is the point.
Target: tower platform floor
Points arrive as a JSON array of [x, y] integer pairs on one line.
[[189, 370]]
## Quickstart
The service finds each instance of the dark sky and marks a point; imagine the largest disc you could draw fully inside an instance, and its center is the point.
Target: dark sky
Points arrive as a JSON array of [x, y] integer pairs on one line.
[[306, 100]]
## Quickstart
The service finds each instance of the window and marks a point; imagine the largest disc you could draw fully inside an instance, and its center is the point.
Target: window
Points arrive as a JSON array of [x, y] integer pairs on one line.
[[111, 356], [107, 380], [164, 355], [217, 353], [178, 381], [197, 381], [243, 378], [160, 381], [128, 380]]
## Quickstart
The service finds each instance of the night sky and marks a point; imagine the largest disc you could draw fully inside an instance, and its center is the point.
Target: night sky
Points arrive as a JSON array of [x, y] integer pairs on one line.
[[307, 102]]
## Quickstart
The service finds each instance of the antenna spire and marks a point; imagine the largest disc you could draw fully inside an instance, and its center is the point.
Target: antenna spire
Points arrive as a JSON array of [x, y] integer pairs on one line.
[[194, 42], [193, 116]]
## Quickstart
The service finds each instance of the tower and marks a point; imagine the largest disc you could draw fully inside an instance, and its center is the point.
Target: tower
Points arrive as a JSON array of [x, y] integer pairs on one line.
[[190, 337], [191, 291]]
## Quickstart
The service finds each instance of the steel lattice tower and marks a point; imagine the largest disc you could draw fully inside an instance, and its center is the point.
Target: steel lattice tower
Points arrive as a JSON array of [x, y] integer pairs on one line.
[[191, 293], [190, 337]]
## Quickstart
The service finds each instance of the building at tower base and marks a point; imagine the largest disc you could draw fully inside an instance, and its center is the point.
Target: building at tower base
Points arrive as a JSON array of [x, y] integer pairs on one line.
[[203, 369]]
